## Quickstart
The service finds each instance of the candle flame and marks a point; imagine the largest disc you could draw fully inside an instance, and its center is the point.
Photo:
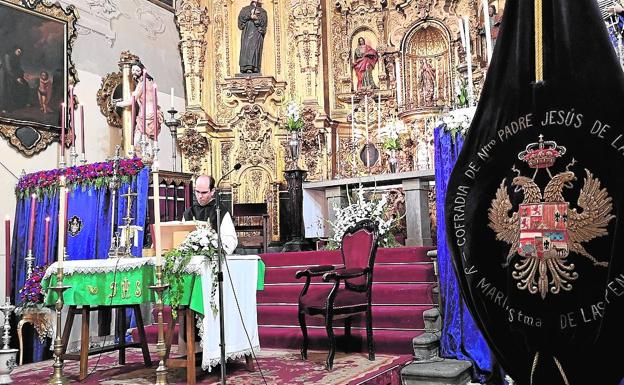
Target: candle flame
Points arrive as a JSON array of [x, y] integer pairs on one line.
[[7, 218], [33, 196], [47, 219]]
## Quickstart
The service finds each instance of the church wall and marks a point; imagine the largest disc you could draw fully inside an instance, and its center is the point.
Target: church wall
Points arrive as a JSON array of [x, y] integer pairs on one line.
[[105, 29]]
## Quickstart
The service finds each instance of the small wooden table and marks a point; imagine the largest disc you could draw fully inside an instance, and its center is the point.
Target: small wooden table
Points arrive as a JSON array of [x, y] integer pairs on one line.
[[120, 334]]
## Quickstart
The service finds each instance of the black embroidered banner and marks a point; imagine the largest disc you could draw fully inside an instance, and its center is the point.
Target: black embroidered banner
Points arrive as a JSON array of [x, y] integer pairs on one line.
[[534, 203]]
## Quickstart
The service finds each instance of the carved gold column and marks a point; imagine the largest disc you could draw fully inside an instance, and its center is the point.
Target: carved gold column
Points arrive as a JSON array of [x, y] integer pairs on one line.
[[306, 28], [192, 20], [125, 64]]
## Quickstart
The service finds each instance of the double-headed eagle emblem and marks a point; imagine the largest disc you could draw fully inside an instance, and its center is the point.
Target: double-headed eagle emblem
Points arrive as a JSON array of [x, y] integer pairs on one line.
[[545, 228]]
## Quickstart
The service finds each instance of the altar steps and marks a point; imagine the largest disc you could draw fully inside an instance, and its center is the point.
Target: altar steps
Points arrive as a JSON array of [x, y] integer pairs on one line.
[[402, 290]]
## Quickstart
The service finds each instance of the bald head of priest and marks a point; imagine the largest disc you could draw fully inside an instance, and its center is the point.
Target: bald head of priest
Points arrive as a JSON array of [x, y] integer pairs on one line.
[[204, 205]]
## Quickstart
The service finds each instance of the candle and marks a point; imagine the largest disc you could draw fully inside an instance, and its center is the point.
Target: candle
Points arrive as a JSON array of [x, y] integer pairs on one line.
[[469, 62], [65, 215], [172, 98], [31, 225], [46, 238], [82, 137], [155, 114], [488, 32], [7, 243], [63, 118], [61, 231], [352, 121], [462, 32], [366, 115], [133, 122], [378, 112], [72, 124], [156, 194], [144, 104]]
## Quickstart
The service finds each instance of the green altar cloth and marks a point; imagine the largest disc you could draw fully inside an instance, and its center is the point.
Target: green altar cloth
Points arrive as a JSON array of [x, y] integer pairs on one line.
[[131, 287]]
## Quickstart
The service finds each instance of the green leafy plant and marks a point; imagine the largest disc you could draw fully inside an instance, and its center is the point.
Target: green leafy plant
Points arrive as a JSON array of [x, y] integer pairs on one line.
[[201, 241], [392, 143]]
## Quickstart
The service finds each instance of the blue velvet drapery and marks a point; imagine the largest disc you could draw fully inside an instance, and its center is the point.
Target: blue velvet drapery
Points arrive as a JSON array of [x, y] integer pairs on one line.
[[461, 339]]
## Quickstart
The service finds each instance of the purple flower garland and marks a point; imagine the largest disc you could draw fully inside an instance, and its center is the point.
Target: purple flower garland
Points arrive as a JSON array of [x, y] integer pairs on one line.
[[98, 174], [31, 292]]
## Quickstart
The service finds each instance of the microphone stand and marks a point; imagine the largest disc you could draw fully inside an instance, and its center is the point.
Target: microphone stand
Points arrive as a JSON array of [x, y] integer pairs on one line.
[[217, 196]]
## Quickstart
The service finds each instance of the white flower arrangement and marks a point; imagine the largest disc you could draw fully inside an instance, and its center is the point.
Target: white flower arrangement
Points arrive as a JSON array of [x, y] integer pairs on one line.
[[457, 121], [294, 122], [375, 209], [201, 241]]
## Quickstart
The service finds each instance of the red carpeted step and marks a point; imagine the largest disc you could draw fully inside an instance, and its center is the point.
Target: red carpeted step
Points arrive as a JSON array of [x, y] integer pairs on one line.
[[385, 293], [386, 341], [401, 317], [414, 272], [323, 257]]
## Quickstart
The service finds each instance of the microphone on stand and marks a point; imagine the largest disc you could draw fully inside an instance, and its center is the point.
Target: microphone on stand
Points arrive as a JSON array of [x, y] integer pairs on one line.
[[237, 166], [220, 255]]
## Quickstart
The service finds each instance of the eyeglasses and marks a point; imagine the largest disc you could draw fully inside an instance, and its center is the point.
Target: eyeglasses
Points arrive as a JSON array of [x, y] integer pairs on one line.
[[201, 192]]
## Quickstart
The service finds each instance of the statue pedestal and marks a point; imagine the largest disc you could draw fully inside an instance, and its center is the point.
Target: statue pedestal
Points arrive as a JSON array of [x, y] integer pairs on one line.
[[296, 241], [251, 86]]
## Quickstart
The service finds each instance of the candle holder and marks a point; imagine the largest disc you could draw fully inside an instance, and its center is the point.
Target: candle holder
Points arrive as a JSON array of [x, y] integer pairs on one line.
[[144, 144], [173, 124], [123, 246], [62, 163], [113, 185], [57, 376], [161, 348], [83, 159], [30, 260], [73, 155], [8, 356]]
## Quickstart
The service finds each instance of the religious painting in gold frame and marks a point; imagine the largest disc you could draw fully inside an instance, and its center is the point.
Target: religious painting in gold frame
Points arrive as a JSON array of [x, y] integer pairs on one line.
[[36, 39]]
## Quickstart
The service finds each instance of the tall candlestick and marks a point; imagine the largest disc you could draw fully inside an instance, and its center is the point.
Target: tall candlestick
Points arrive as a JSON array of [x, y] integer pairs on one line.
[[144, 106], [63, 119], [7, 252], [171, 97], [155, 114], [156, 194], [65, 215], [82, 137], [366, 115], [72, 124], [46, 239], [61, 231], [31, 225], [488, 32], [133, 122]]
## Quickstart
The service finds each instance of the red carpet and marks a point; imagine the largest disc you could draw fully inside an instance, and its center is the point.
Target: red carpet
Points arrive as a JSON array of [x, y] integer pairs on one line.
[[279, 367]]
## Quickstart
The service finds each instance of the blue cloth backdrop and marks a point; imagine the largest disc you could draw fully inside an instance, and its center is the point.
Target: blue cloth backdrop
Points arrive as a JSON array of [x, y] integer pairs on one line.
[[461, 339]]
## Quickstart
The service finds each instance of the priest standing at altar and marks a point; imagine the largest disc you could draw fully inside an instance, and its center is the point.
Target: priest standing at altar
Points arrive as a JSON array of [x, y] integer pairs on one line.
[[205, 209]]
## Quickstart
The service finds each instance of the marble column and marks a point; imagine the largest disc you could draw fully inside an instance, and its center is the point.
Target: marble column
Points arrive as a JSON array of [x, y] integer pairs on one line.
[[417, 212]]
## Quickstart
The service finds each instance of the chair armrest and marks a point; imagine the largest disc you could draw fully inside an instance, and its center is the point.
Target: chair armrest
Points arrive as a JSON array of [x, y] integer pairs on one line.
[[345, 274], [314, 271]]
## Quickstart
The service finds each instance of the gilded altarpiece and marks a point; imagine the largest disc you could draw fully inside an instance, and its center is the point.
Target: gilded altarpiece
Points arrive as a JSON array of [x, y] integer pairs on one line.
[[308, 57]]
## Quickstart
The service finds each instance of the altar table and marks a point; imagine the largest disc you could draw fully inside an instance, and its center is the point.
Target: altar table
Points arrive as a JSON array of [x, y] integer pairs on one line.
[[125, 282]]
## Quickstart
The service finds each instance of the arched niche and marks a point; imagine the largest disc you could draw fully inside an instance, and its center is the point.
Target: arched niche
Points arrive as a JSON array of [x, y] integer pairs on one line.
[[427, 66]]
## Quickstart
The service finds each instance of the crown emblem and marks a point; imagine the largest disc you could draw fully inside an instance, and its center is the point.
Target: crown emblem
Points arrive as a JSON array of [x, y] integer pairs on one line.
[[541, 154]]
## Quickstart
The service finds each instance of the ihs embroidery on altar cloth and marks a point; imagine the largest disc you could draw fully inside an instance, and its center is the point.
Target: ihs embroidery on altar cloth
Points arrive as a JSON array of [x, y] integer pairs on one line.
[[545, 229]]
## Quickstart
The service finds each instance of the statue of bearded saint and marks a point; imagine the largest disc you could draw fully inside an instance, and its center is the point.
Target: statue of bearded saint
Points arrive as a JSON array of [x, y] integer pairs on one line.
[[364, 60]]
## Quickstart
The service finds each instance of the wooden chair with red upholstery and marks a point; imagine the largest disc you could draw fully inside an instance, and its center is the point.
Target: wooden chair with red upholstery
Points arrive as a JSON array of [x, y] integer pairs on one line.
[[353, 297]]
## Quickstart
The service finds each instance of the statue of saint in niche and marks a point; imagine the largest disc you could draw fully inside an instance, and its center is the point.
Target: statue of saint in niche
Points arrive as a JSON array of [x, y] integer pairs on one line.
[[427, 83], [364, 60], [252, 20]]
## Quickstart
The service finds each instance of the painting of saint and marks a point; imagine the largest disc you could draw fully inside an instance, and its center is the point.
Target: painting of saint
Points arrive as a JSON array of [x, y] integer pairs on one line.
[[33, 67]]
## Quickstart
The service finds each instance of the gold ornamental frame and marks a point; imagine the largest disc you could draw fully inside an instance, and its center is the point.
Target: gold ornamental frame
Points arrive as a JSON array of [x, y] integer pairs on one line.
[[26, 129]]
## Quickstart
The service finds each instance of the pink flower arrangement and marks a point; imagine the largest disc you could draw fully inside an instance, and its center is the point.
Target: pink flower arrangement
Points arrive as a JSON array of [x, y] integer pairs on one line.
[[97, 174]]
